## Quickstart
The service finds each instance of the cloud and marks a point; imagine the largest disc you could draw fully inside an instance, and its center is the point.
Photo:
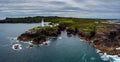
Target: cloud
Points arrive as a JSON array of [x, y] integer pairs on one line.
[[70, 8]]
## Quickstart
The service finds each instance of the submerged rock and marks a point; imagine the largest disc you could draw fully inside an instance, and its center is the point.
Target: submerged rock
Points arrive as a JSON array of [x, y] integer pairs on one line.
[[16, 47]]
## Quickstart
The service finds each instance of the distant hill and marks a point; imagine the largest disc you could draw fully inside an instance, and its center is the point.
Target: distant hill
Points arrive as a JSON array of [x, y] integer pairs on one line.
[[37, 19]]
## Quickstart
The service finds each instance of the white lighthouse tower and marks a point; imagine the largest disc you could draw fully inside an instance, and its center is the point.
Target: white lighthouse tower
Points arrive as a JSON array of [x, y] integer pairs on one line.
[[42, 23]]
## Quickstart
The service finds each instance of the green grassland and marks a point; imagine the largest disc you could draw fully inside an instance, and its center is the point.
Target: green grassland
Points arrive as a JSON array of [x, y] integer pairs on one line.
[[84, 25]]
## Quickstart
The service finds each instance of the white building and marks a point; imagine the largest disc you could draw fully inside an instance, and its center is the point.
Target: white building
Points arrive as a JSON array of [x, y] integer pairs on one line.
[[47, 24], [44, 23]]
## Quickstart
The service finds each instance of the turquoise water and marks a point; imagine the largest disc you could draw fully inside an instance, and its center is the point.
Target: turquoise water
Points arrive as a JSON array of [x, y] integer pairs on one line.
[[67, 49]]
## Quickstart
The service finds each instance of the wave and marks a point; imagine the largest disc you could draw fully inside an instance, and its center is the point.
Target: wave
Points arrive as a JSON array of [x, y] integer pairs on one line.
[[106, 57], [28, 44], [16, 47], [59, 37], [82, 40], [47, 43]]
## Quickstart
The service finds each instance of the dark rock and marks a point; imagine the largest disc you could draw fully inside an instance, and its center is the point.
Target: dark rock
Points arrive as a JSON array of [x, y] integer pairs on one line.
[[16, 47], [27, 36], [39, 40]]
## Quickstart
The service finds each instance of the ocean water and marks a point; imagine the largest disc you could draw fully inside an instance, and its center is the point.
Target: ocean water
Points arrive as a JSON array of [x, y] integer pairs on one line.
[[63, 49]]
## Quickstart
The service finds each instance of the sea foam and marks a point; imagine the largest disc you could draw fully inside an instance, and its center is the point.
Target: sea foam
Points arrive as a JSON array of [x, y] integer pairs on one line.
[[19, 47], [106, 57], [59, 37]]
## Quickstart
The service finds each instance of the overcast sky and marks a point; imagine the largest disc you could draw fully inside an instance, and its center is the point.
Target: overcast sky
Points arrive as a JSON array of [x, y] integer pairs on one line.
[[68, 8]]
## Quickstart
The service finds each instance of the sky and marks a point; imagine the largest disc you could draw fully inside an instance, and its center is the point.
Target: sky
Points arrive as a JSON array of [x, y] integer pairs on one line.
[[65, 8]]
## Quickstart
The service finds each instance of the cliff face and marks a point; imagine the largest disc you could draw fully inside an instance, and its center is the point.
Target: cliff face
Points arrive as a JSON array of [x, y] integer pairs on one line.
[[108, 41]]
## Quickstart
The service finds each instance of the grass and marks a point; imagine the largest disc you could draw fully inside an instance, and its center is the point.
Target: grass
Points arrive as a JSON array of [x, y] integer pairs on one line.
[[39, 28], [85, 25]]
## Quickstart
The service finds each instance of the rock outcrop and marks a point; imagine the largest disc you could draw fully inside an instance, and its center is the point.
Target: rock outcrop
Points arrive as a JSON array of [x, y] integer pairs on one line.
[[108, 41], [40, 36]]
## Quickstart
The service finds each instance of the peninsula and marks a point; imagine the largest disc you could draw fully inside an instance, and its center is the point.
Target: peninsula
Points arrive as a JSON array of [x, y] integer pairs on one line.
[[99, 32]]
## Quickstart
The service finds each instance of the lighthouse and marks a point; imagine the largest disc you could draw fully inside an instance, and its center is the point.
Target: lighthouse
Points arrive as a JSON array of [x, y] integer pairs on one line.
[[42, 23]]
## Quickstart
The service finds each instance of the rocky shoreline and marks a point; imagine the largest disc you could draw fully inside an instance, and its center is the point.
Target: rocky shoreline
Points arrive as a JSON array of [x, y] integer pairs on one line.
[[40, 36], [107, 40]]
